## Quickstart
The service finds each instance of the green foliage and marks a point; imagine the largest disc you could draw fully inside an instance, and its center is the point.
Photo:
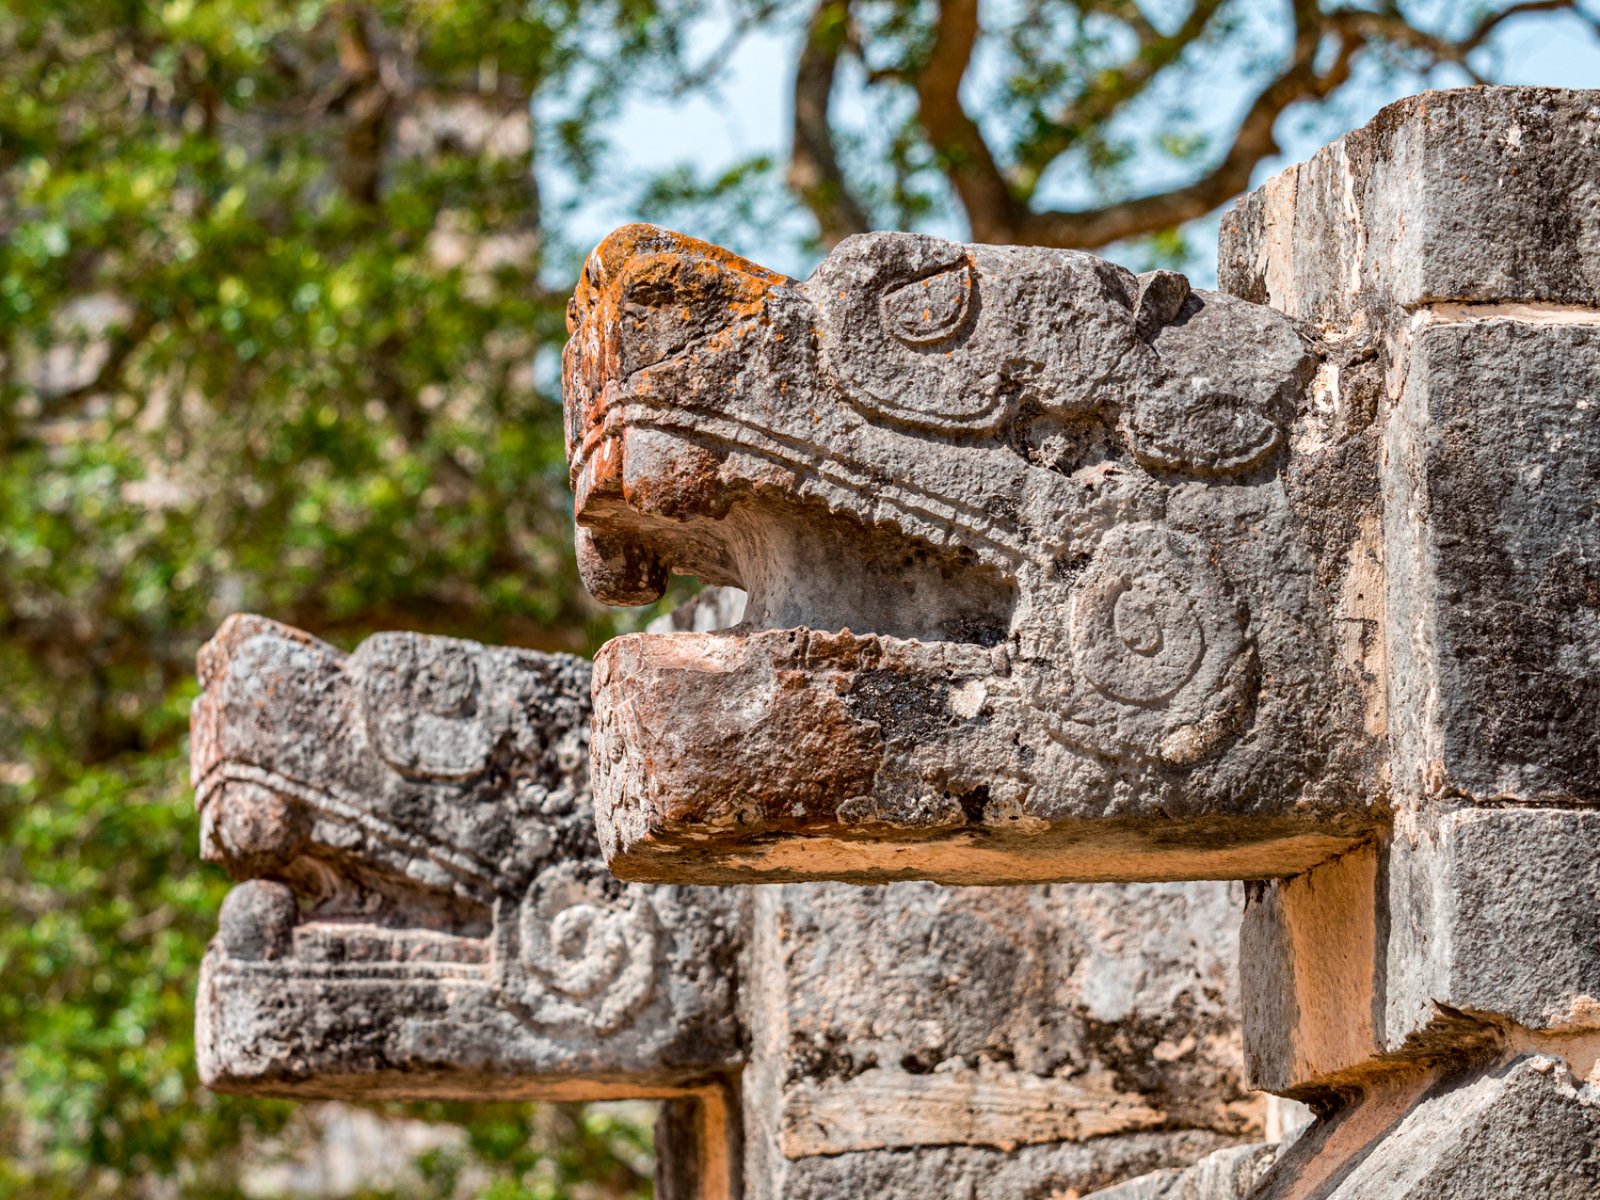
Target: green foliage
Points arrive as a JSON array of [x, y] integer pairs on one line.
[[277, 328], [106, 917]]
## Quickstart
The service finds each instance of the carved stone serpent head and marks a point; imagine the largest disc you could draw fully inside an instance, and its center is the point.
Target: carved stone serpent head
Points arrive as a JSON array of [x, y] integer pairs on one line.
[[1047, 500], [424, 909]]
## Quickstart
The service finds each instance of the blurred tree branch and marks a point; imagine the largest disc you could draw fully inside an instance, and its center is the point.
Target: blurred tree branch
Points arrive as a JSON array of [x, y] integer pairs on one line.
[[1063, 92], [814, 172]]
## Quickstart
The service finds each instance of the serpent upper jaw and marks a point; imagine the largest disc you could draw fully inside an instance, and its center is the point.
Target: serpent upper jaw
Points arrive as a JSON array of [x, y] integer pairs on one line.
[[905, 441]]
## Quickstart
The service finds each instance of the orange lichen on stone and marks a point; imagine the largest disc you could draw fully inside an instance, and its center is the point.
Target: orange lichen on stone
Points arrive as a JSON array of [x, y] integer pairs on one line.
[[645, 295]]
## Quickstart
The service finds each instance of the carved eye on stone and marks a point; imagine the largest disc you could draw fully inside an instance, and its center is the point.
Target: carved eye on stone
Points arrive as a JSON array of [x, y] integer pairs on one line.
[[900, 331], [446, 684], [574, 954], [424, 706], [927, 311], [1227, 379], [1203, 431]]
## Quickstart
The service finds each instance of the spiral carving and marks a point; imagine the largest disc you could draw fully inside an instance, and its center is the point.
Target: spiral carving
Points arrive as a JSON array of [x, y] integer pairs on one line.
[[571, 956], [1139, 638], [1158, 644]]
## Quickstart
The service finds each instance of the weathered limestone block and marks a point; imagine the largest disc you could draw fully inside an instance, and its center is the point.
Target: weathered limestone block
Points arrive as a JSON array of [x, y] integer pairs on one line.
[[1522, 1127], [1496, 914], [1453, 248], [1492, 460], [1017, 1041], [971, 1173], [1479, 931], [425, 912], [1223, 1175], [1038, 587], [1311, 974], [911, 1039], [1478, 195], [1476, 919]]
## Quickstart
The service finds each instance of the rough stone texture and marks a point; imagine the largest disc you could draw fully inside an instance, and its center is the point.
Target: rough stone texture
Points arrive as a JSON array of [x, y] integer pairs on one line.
[[1020, 1041], [1311, 973], [1479, 931], [1523, 1127], [425, 912], [975, 1173], [1493, 453], [1055, 572], [1475, 923], [1225, 1175], [1482, 195], [1038, 589], [1512, 925], [699, 1145], [1046, 1037]]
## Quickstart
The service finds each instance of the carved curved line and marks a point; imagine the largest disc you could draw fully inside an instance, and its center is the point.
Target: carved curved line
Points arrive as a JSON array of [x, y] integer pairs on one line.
[[527, 990], [1163, 552], [1150, 453], [853, 482], [937, 333], [1094, 616], [476, 875]]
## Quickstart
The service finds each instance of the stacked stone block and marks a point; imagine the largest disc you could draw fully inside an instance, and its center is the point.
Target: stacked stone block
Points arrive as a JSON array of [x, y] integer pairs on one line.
[[1437, 988]]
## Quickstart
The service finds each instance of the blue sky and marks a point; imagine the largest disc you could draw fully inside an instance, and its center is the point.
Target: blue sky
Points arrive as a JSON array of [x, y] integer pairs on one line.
[[749, 115]]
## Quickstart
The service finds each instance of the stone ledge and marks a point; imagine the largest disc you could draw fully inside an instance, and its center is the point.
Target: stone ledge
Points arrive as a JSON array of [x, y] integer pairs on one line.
[[1473, 932], [1472, 195]]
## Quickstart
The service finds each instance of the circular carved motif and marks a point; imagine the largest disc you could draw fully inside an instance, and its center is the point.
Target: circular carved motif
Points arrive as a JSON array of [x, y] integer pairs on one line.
[[571, 955], [927, 311], [1160, 644], [892, 311], [1137, 637]]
